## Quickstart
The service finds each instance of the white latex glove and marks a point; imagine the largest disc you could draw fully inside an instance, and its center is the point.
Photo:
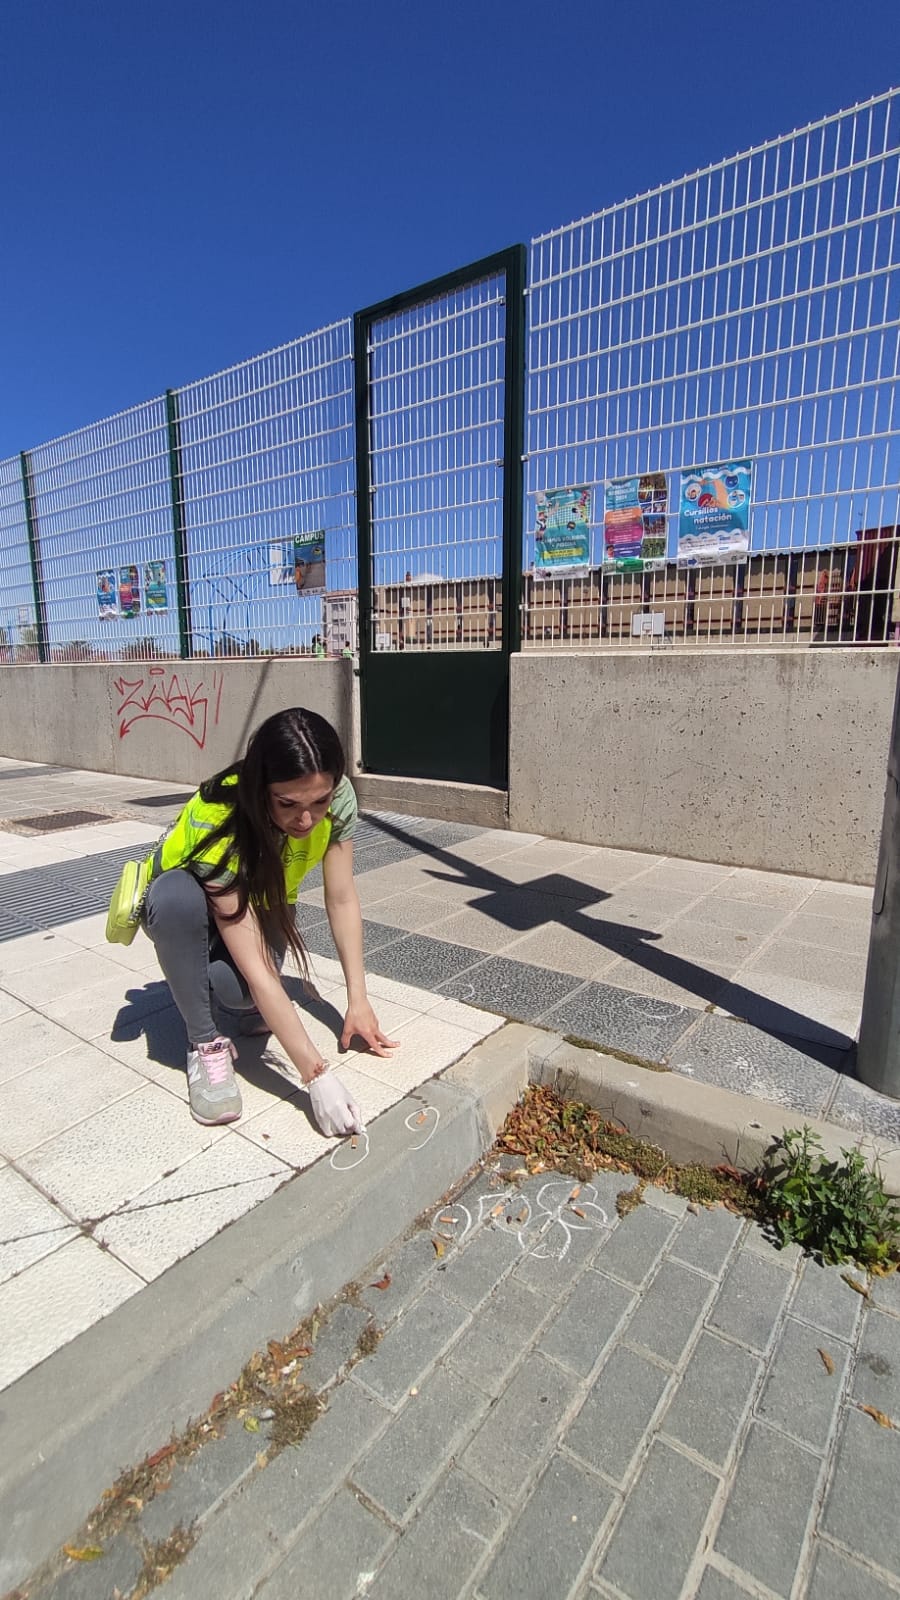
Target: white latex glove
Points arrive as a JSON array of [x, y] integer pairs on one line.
[[334, 1110]]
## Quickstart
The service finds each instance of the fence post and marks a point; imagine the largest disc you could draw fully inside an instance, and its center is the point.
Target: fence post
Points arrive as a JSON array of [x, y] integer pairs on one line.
[[176, 479], [34, 556], [878, 1052]]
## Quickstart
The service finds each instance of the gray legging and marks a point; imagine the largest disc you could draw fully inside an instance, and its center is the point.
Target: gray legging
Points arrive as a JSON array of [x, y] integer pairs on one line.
[[191, 952]]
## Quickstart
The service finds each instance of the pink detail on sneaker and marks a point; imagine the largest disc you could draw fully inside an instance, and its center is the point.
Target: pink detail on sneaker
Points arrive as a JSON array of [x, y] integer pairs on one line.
[[217, 1057]]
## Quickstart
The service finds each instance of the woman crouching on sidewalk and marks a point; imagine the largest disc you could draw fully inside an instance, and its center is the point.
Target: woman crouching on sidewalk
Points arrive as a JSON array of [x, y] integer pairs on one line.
[[220, 911]]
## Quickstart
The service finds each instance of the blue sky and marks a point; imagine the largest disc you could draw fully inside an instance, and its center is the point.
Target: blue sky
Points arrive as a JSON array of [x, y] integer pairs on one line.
[[190, 183]]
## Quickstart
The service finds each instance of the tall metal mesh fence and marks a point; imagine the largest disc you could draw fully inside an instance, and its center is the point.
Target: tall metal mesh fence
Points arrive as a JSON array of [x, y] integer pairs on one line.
[[268, 483], [436, 406], [102, 522], [749, 313]]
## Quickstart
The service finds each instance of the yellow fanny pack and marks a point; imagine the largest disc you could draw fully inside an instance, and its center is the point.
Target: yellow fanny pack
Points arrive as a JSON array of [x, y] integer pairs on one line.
[[127, 902]]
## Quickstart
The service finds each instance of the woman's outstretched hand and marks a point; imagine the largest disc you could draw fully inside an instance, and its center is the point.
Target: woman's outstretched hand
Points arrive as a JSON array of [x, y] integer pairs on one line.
[[361, 1022]]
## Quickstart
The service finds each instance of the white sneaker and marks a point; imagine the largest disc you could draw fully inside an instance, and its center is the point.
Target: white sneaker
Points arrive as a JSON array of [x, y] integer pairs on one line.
[[212, 1090]]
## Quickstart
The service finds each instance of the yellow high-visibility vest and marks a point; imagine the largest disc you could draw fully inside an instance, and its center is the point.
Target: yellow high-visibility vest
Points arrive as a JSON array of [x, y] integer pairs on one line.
[[201, 817]]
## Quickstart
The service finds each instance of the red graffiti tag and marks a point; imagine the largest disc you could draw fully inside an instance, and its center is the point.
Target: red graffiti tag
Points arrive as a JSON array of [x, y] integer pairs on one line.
[[170, 697]]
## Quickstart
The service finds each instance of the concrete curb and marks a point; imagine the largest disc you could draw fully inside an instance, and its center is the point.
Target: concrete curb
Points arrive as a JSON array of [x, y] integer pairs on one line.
[[691, 1121], [119, 1390]]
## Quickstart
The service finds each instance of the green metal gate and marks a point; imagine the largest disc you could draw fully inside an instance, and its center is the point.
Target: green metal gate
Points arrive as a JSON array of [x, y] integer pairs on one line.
[[439, 441]]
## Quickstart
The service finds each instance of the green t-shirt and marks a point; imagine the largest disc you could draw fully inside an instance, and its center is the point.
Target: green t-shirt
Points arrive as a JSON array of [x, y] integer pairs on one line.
[[344, 812]]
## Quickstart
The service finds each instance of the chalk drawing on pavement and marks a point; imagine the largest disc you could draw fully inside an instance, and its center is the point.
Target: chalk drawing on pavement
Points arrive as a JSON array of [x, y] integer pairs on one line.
[[560, 1209]]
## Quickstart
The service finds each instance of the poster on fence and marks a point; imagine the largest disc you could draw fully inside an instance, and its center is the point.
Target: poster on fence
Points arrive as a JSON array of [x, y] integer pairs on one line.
[[129, 592], [714, 515], [106, 596], [309, 562], [562, 539], [156, 592], [280, 566], [634, 523]]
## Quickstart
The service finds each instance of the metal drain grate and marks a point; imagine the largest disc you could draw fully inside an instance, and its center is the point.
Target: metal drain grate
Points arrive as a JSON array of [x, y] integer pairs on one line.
[[53, 821], [40, 898]]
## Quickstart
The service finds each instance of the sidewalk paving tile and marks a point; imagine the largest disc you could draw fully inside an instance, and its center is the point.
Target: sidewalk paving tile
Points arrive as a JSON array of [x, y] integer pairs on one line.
[[670, 1312], [638, 1024], [30, 1226], [547, 1548], [69, 1089], [655, 1538], [750, 1300], [172, 1217], [414, 958], [499, 1334], [715, 1586], [863, 1111], [343, 1541], [736, 1056], [801, 1396], [632, 1251], [116, 1154], [586, 1323], [707, 1238], [826, 1301], [863, 1506], [521, 1429], [876, 1380], [514, 988], [55, 1299], [412, 1453], [713, 1398], [836, 1577], [460, 1521], [617, 1413], [411, 1345], [765, 1520]]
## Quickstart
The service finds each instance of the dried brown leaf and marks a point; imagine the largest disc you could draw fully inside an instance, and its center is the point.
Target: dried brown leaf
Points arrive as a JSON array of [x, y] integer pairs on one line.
[[827, 1362], [855, 1285], [86, 1552], [440, 1249], [382, 1283]]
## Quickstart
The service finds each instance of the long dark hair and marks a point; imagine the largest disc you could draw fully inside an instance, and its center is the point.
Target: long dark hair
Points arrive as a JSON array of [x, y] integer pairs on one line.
[[289, 745]]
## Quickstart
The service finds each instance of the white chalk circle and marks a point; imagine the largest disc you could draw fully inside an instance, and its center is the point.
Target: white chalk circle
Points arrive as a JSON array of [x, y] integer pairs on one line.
[[358, 1155]]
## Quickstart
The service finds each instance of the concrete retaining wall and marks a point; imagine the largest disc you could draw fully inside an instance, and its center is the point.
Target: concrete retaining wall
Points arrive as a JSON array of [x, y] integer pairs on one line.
[[770, 759], [178, 721]]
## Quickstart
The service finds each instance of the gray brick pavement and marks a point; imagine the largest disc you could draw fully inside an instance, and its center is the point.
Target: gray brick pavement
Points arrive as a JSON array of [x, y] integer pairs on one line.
[[637, 1411]]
